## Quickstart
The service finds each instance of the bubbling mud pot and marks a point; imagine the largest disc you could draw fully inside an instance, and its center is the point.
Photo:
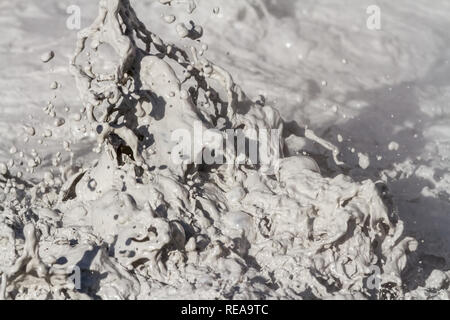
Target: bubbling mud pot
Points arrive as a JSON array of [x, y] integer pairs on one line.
[[134, 223]]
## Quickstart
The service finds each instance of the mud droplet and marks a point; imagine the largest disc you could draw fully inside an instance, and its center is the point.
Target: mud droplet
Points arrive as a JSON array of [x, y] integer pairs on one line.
[[182, 31], [393, 146], [54, 85], [170, 19], [364, 161], [47, 56], [59, 122]]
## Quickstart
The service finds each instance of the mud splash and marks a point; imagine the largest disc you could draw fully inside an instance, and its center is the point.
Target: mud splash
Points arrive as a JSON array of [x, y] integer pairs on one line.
[[140, 226]]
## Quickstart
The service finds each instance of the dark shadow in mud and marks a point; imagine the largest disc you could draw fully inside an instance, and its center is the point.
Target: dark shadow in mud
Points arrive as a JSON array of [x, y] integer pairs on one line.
[[159, 110], [90, 280], [394, 114]]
